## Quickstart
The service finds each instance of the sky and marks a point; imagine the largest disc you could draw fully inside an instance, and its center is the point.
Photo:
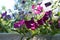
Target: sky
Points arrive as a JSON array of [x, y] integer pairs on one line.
[[9, 4]]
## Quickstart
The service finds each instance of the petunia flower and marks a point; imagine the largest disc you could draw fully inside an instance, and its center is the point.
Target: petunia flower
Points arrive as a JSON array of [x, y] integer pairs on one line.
[[47, 15], [7, 17], [37, 9], [31, 24], [44, 18], [18, 24], [47, 4], [33, 6], [59, 23], [40, 22], [36, 12], [4, 14]]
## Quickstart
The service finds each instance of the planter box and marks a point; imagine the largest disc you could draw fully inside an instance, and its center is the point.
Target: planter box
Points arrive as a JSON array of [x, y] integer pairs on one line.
[[56, 37], [39, 37], [10, 36], [44, 37]]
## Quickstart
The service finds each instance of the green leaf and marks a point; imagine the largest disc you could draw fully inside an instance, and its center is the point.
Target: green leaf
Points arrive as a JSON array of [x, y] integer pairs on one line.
[[3, 8], [58, 13]]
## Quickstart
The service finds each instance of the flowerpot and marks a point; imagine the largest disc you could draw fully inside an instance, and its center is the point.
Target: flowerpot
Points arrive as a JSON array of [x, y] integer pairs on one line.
[[14, 36], [44, 37], [56, 37], [39, 37], [9, 36]]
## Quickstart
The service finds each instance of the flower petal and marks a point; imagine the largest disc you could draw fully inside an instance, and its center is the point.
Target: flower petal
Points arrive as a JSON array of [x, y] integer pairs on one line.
[[18, 24], [31, 24]]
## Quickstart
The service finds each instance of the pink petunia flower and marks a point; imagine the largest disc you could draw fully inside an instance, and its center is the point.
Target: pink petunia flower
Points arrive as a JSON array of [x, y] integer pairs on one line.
[[37, 9], [36, 12]]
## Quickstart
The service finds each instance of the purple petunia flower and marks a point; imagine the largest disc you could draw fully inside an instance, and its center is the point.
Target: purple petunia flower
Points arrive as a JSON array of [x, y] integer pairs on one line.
[[47, 15], [7, 17], [18, 24], [31, 24], [44, 18], [4, 14], [33, 6], [47, 4], [40, 22], [59, 23]]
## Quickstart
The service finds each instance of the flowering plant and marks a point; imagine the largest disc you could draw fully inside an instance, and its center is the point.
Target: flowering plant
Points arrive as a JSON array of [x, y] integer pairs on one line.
[[39, 18]]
